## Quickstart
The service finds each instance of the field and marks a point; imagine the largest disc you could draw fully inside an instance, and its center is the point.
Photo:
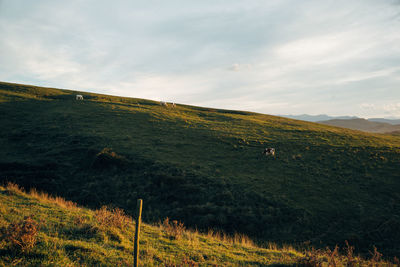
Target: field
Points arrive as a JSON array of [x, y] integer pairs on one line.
[[204, 167]]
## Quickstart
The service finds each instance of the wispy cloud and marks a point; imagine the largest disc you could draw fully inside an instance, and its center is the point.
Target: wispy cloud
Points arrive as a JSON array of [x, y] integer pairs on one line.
[[391, 109]]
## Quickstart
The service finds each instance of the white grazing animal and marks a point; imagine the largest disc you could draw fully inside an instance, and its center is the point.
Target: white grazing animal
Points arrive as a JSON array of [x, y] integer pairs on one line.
[[269, 151]]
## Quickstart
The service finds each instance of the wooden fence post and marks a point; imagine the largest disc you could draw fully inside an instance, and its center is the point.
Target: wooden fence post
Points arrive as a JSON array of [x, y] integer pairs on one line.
[[136, 243]]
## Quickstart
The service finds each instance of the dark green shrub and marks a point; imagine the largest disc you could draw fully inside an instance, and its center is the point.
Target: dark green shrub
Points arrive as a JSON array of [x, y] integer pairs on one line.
[[108, 158]]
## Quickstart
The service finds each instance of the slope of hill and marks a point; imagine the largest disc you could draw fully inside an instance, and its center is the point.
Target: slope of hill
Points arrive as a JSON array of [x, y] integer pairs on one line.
[[204, 166], [363, 125], [40, 230], [37, 229]]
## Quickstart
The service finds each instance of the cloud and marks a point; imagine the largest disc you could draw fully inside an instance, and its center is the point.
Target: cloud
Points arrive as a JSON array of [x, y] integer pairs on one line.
[[275, 57], [392, 107], [310, 48], [355, 77], [383, 109], [368, 106], [238, 67]]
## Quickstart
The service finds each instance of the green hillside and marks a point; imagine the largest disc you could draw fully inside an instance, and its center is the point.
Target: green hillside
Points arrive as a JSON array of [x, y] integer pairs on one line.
[[204, 167], [39, 230], [55, 232]]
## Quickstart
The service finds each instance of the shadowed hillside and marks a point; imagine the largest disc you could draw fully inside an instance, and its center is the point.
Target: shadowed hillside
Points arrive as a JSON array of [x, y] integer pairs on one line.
[[204, 166]]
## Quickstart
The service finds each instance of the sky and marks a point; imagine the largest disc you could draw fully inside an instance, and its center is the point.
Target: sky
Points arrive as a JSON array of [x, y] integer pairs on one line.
[[339, 57]]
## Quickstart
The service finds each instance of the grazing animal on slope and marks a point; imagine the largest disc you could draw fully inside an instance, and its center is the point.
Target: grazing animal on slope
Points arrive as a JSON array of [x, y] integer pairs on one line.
[[269, 151], [163, 103], [79, 97]]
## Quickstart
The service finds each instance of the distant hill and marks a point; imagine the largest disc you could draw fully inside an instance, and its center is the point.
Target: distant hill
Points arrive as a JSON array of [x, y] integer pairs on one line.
[[363, 125], [204, 167], [395, 133], [390, 121], [323, 117], [316, 118]]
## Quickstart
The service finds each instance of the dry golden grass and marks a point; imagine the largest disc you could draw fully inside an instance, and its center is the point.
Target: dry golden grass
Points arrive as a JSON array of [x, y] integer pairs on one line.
[[112, 217], [285, 248], [42, 196], [14, 188], [236, 239], [174, 228]]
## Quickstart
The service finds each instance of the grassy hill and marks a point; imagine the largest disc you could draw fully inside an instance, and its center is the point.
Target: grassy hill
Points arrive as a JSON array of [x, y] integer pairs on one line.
[[37, 229], [58, 233], [204, 167]]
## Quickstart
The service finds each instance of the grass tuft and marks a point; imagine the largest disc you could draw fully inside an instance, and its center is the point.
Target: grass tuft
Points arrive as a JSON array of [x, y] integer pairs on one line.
[[14, 188], [174, 229]]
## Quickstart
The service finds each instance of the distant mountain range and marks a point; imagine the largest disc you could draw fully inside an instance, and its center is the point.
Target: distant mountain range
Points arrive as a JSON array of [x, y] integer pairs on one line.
[[363, 125], [390, 121], [316, 118], [372, 125], [324, 117]]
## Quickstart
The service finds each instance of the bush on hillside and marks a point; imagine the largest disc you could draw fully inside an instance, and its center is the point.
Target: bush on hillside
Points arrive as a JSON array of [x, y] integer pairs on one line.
[[108, 158], [22, 235], [112, 217]]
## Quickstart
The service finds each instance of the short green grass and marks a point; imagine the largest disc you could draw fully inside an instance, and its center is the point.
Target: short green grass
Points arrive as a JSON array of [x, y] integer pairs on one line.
[[204, 167]]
